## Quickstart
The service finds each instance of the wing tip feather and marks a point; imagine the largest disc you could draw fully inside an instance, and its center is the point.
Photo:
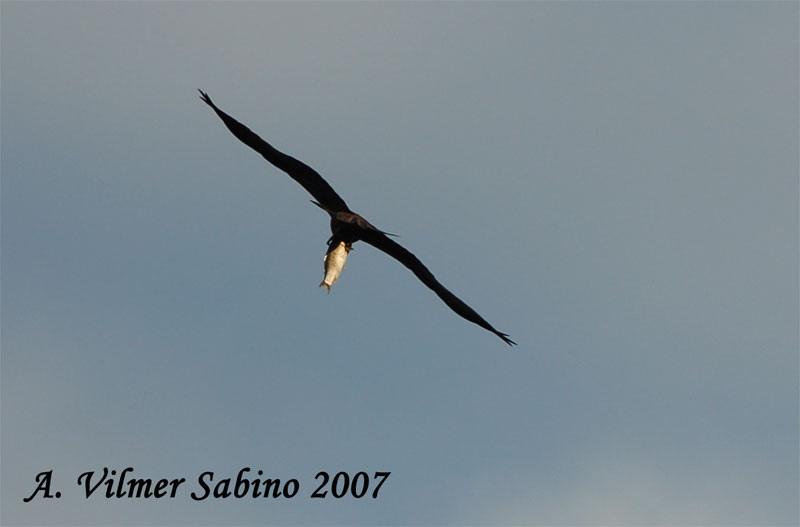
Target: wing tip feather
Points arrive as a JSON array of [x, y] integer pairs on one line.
[[505, 338], [206, 99]]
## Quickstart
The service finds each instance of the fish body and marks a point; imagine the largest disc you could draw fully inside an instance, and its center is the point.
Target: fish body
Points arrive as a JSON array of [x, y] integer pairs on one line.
[[334, 261]]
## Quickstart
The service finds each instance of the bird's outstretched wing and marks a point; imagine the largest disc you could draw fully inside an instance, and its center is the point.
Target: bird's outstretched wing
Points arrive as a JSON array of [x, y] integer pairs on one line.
[[297, 170], [404, 256]]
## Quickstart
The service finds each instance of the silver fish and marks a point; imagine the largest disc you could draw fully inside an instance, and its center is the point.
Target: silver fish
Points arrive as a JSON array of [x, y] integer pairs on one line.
[[334, 262]]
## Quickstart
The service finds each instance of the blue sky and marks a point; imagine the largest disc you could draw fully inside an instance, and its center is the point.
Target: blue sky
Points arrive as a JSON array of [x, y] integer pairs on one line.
[[613, 184]]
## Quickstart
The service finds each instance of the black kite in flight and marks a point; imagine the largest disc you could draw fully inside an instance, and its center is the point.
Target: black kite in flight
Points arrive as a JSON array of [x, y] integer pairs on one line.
[[347, 227]]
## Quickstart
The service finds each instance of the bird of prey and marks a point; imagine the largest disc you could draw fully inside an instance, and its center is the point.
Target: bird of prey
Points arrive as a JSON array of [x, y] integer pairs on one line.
[[347, 227]]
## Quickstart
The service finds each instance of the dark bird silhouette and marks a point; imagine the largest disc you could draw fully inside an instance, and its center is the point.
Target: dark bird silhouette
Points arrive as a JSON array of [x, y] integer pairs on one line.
[[347, 227]]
